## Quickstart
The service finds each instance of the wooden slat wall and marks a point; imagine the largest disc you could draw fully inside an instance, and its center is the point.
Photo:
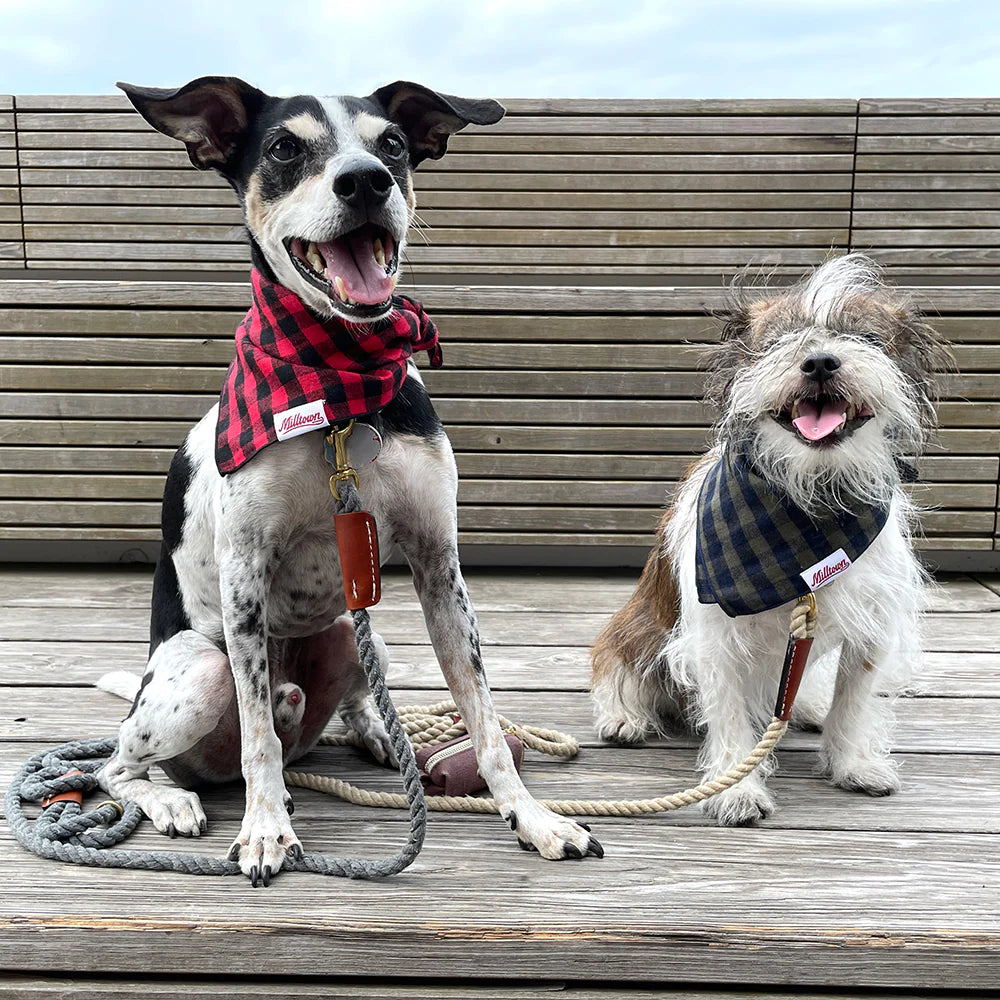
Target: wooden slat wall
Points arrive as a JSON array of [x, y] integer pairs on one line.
[[11, 239], [927, 186], [572, 409], [569, 188], [564, 437]]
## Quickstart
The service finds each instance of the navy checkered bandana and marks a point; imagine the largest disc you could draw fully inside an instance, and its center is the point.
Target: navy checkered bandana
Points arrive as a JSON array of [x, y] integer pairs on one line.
[[756, 550]]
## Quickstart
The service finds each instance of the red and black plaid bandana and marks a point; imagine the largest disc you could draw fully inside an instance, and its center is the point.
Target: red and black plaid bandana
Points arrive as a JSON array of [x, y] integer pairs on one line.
[[293, 373]]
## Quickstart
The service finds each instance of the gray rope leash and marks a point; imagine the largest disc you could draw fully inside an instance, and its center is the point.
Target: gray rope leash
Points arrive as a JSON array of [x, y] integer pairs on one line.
[[65, 833]]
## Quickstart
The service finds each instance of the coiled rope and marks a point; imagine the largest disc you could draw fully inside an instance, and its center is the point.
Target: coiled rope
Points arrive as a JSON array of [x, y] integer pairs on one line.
[[427, 724], [66, 833]]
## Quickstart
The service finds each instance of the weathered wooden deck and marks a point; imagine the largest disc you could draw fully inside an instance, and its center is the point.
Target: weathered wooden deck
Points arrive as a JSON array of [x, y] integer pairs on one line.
[[836, 892]]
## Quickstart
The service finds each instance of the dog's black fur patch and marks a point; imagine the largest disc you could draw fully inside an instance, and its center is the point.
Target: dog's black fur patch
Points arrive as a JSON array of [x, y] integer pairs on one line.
[[168, 615]]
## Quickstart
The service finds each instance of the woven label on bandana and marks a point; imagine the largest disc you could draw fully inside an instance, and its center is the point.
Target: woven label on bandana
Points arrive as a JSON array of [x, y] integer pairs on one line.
[[821, 573], [300, 420]]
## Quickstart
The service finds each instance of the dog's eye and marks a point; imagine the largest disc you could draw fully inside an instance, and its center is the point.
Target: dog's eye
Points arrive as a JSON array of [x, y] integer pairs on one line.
[[284, 149], [392, 146]]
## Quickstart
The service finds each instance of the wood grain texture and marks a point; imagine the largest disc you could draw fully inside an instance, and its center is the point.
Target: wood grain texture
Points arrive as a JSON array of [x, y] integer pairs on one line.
[[628, 190], [887, 893]]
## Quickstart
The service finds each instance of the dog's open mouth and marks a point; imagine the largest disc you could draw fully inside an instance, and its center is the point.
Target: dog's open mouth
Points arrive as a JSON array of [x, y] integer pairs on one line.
[[824, 420], [357, 270]]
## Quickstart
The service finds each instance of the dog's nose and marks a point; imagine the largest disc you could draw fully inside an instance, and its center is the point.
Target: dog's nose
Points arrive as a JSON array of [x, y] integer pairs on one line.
[[820, 366], [363, 187]]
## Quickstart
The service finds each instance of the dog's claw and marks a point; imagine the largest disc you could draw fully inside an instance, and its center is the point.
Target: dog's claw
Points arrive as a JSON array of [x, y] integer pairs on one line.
[[594, 846], [289, 804], [512, 819], [202, 826], [171, 831], [266, 876], [526, 845], [234, 852], [572, 851], [254, 876], [295, 852], [584, 826]]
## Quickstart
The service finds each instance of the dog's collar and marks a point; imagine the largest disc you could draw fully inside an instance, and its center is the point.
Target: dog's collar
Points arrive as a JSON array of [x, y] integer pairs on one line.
[[757, 550], [294, 373]]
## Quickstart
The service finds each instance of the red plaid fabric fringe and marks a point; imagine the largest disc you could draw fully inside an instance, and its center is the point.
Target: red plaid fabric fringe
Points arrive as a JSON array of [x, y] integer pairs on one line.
[[286, 358]]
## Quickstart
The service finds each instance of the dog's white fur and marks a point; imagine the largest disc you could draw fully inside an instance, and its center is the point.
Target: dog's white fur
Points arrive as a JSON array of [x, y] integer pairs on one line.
[[667, 655]]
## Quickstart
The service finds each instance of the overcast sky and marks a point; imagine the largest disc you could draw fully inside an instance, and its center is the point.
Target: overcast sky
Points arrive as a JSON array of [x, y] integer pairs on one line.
[[512, 48]]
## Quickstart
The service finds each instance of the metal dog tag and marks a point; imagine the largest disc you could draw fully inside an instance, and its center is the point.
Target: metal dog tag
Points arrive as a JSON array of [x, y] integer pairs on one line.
[[363, 446]]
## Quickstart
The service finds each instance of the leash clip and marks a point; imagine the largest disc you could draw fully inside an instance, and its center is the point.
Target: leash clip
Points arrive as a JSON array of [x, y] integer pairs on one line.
[[344, 472]]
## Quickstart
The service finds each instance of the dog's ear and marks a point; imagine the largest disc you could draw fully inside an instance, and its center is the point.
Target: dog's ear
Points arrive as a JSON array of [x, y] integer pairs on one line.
[[429, 118], [209, 115], [921, 352], [724, 359]]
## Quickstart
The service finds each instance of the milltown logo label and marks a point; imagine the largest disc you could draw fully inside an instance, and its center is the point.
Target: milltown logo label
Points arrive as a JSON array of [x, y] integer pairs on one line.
[[820, 574], [300, 420]]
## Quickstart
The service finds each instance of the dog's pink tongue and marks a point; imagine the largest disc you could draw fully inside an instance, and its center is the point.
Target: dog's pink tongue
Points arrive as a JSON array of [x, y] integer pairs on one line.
[[815, 423], [353, 258]]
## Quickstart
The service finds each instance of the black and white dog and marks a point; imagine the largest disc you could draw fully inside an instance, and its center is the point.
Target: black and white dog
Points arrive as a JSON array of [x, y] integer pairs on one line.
[[248, 618]]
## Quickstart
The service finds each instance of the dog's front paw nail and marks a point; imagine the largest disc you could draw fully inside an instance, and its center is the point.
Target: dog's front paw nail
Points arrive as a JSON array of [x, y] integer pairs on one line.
[[289, 804], [554, 837], [177, 812], [873, 777], [627, 732], [741, 806], [263, 846]]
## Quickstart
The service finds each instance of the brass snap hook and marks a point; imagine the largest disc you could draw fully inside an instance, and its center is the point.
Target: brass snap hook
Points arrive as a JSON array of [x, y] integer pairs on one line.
[[338, 438]]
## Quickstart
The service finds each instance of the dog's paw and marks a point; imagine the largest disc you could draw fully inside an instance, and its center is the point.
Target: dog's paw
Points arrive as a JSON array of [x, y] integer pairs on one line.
[[630, 731], [872, 775], [742, 805], [366, 723], [554, 837], [264, 844], [175, 811], [377, 741]]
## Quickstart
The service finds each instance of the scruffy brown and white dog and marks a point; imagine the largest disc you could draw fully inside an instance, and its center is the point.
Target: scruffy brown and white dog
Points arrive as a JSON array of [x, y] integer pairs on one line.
[[821, 391]]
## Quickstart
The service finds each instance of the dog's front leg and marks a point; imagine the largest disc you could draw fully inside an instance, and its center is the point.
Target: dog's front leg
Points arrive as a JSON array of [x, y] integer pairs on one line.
[[266, 837], [723, 707], [857, 734], [425, 526], [451, 622]]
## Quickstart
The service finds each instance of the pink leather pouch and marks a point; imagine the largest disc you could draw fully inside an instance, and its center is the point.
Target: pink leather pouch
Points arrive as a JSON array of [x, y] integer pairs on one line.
[[450, 768]]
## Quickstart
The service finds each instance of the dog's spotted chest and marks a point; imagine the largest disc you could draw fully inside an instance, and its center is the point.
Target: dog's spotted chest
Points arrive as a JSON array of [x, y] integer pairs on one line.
[[306, 593]]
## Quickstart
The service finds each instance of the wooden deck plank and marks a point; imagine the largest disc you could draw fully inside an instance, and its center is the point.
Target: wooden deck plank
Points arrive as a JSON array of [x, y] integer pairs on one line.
[[494, 589], [673, 900], [804, 800], [970, 631], [925, 725], [524, 668], [16, 987], [39, 987]]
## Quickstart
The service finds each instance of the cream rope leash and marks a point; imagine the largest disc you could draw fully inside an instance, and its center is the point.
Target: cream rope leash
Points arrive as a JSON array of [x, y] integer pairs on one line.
[[427, 724]]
